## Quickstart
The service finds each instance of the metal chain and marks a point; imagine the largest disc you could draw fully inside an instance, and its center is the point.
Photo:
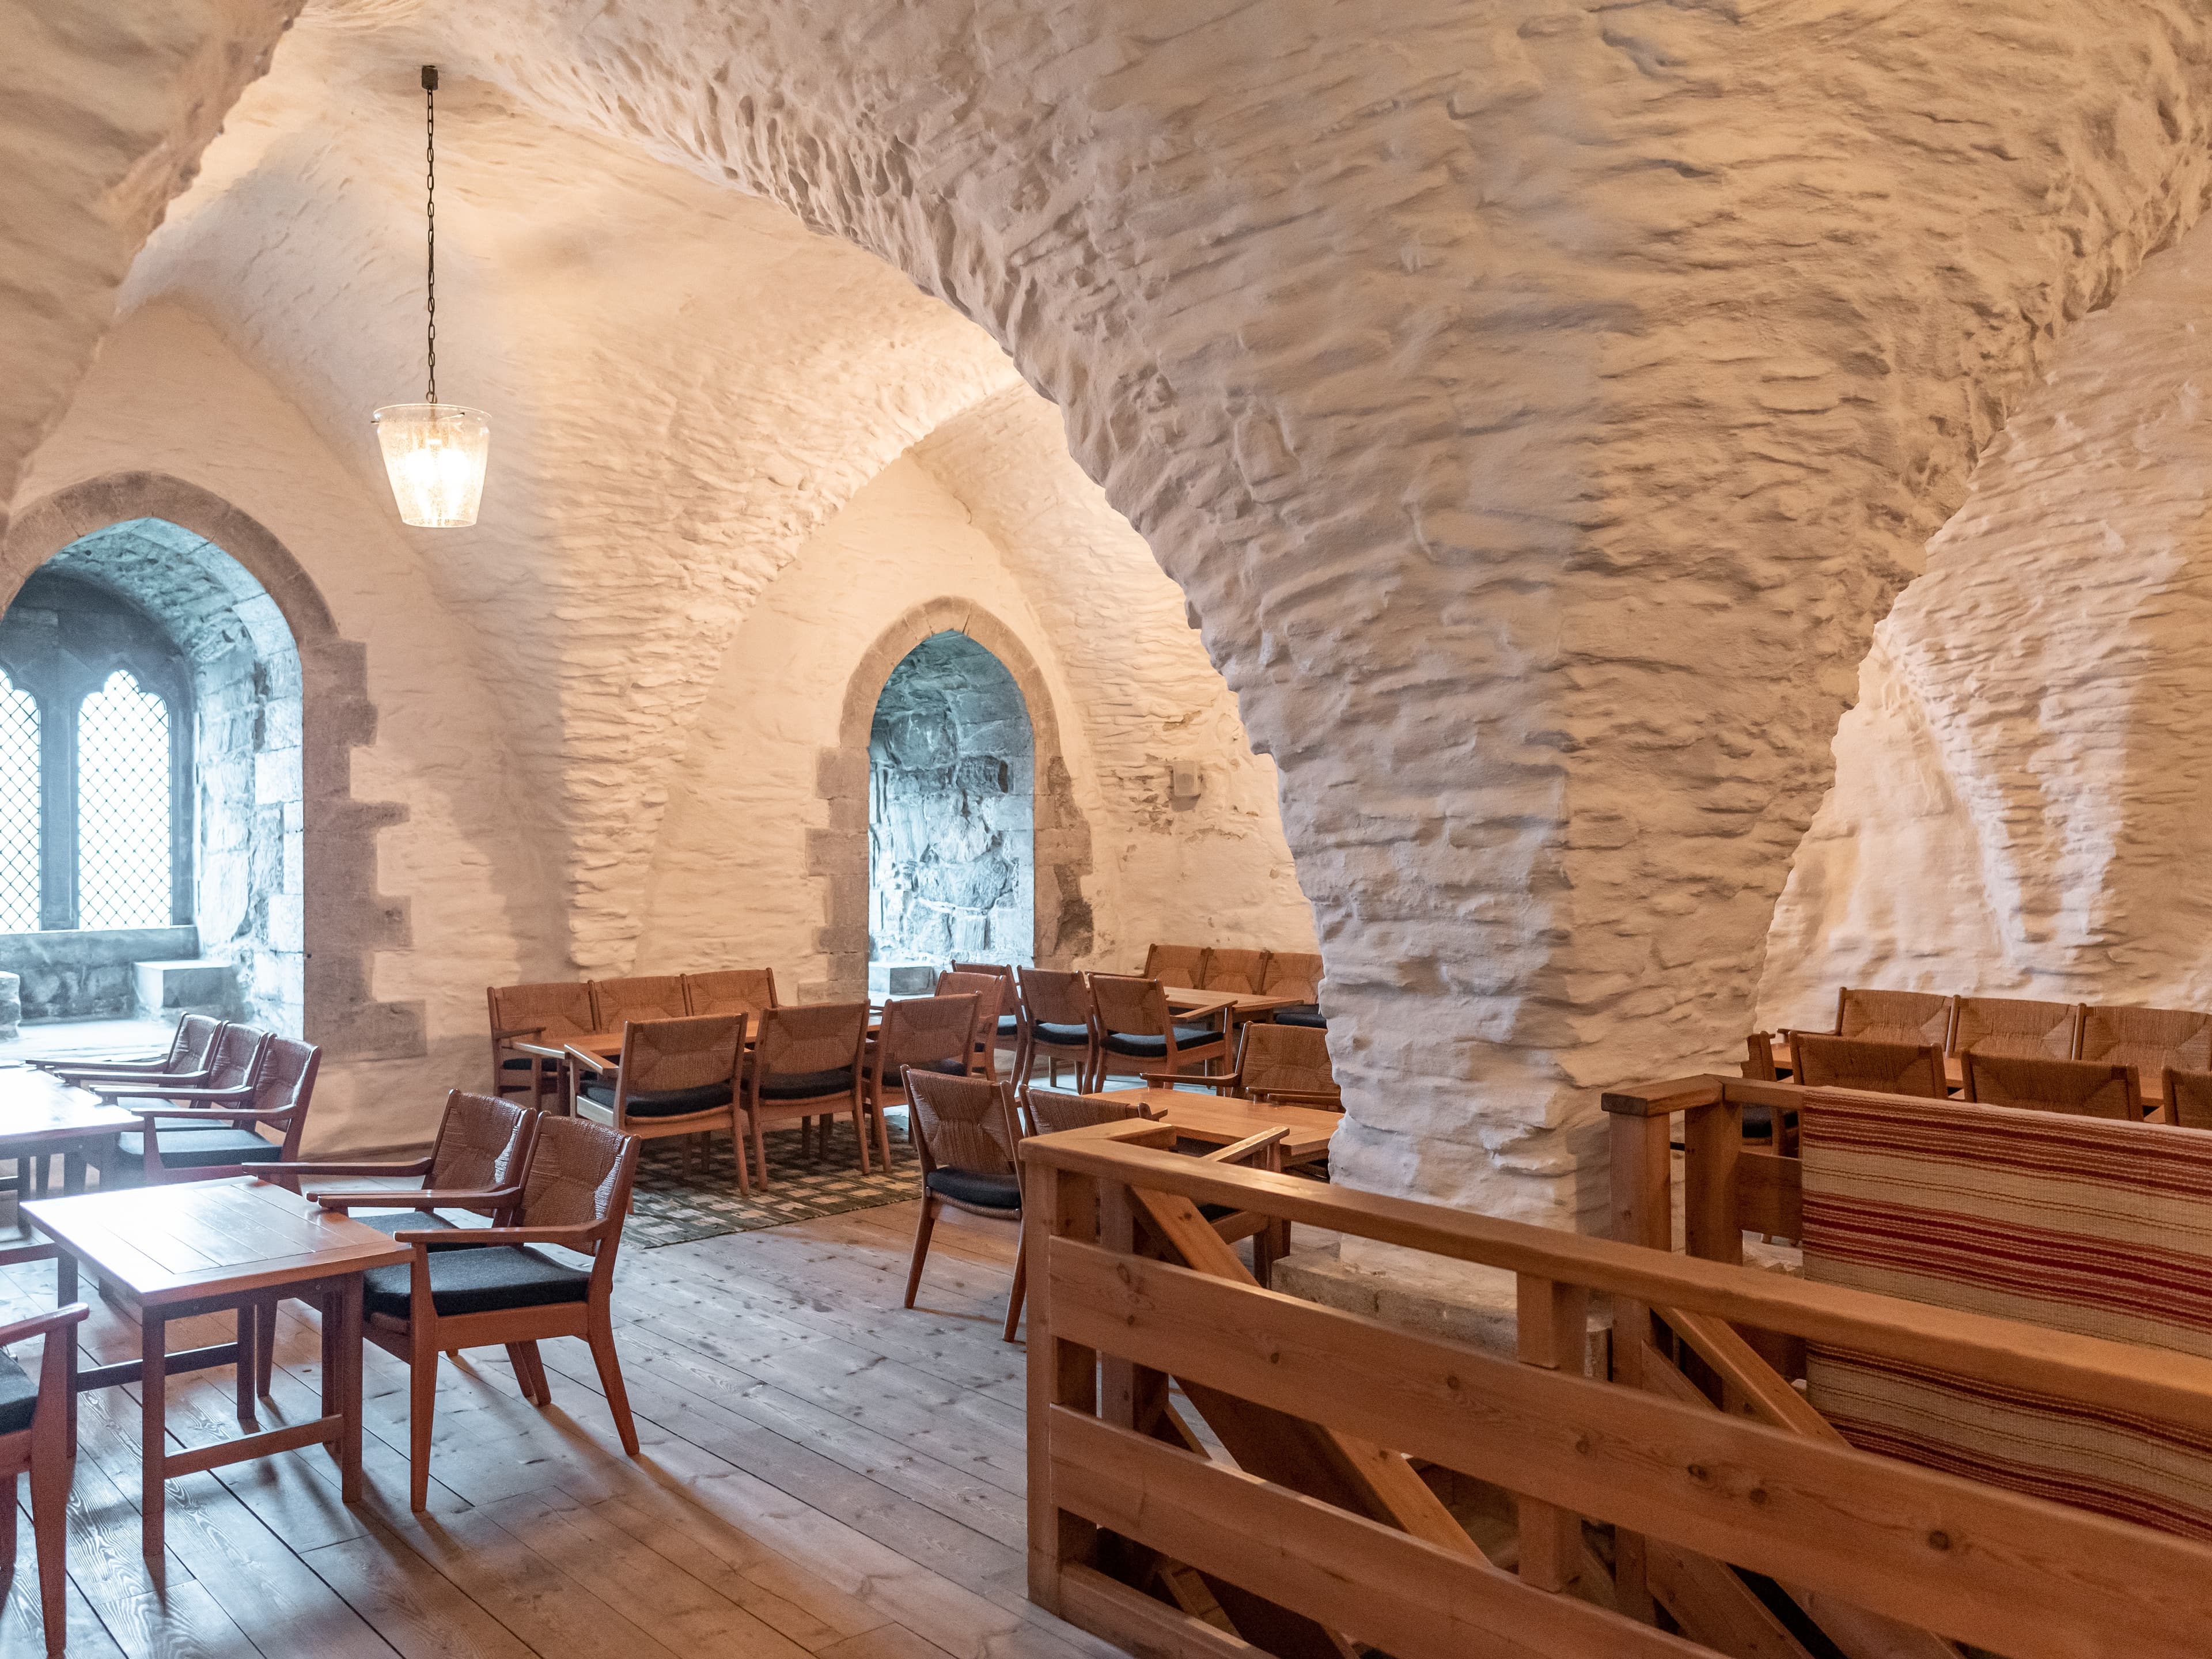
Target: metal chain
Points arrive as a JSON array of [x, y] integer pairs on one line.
[[430, 216]]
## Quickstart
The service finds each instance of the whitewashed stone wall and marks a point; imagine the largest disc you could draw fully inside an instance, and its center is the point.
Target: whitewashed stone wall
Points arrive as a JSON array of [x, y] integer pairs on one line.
[[1537, 402], [2019, 804]]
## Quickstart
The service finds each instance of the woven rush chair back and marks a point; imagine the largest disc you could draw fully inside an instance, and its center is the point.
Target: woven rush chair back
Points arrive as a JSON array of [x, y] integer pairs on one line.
[[1052, 1111], [962, 1123], [1236, 970], [616, 1001], [554, 1010], [1295, 974], [1000, 969], [659, 1054], [815, 1036], [2149, 1039], [2100, 1228], [1129, 1007], [934, 1034], [2006, 1025], [481, 1143], [989, 990], [2082, 1087], [747, 991], [2189, 1098], [1052, 998], [580, 1173], [238, 1057], [1919, 1018], [1176, 965], [1286, 1060], [1884, 1068]]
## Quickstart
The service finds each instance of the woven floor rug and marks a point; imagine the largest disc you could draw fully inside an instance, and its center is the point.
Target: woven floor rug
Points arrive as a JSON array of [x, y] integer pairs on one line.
[[671, 1207]]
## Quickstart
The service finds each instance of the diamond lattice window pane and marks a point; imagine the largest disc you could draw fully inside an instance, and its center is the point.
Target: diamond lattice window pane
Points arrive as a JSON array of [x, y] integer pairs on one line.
[[20, 808], [123, 807]]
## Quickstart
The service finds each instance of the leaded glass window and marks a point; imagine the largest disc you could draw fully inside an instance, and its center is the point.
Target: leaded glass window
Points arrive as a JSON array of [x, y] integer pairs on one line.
[[20, 808], [123, 807]]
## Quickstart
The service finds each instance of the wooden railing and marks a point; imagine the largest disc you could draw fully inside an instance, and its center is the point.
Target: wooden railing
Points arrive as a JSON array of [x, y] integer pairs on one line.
[[1317, 1529]]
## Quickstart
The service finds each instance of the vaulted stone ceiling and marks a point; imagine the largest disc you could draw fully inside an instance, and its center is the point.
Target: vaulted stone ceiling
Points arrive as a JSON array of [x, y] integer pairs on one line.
[[1538, 403]]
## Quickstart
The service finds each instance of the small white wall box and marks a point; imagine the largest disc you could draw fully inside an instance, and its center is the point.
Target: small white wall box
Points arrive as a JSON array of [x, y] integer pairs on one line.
[[1184, 780]]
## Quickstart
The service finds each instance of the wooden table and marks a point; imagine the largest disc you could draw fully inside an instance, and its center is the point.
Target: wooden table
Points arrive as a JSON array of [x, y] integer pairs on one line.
[[1218, 1121], [204, 1247], [1239, 1005], [40, 1115]]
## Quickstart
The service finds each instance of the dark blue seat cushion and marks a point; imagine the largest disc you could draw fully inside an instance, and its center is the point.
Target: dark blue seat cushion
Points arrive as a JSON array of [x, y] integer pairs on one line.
[[1067, 1037], [805, 1085], [985, 1192], [486, 1280], [19, 1393], [942, 1068], [407, 1221], [662, 1102], [1156, 1047], [1302, 1013], [1009, 1025], [200, 1149]]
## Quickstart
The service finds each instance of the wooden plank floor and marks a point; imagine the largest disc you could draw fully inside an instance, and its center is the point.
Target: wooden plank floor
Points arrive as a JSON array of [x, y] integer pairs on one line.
[[823, 1473]]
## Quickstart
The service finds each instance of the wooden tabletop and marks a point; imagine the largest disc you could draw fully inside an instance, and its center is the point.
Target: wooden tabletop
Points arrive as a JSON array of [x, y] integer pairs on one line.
[[201, 1238], [37, 1106], [1186, 1001], [1219, 1121]]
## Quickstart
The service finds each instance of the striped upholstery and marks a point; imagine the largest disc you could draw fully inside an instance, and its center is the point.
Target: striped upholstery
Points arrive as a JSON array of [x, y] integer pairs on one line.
[[2100, 1228]]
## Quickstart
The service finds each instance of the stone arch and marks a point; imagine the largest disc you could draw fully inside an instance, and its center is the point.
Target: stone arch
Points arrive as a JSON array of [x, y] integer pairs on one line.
[[840, 851], [345, 921]]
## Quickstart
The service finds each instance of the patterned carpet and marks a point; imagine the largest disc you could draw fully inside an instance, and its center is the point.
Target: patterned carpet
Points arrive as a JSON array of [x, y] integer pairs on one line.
[[670, 1207]]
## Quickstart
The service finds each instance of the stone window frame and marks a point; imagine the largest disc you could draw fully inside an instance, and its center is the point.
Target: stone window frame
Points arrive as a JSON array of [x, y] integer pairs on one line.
[[346, 921], [59, 682], [839, 852]]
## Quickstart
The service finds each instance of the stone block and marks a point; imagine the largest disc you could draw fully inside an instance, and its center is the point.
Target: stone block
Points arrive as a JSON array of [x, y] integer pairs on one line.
[[11, 1003], [194, 985]]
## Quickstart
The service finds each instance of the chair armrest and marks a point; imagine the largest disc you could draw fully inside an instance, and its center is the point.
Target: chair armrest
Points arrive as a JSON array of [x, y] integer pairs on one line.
[[104, 1071], [417, 1198], [1172, 1079], [517, 1031], [152, 1114], [539, 1049], [243, 1095], [1298, 1098], [592, 1061], [575, 1239], [40, 1324], [420, 1166], [14, 1255], [1238, 1152]]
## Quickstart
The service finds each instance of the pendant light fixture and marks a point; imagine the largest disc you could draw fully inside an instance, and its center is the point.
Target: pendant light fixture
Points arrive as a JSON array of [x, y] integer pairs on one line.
[[433, 452]]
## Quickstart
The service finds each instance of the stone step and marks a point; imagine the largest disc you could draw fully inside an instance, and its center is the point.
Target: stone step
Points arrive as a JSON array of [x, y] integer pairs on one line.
[[192, 985]]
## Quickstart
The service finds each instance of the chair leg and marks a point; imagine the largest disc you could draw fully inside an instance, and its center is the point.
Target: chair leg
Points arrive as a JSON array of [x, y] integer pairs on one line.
[[7, 1532], [738, 1157], [922, 1228], [421, 1408], [51, 1470], [884, 1134], [602, 1339], [1020, 1291], [760, 1151]]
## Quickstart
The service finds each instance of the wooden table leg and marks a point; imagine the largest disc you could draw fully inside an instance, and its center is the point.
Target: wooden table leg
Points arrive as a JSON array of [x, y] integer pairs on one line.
[[154, 1433], [65, 1293], [249, 1325], [342, 1297], [73, 1169]]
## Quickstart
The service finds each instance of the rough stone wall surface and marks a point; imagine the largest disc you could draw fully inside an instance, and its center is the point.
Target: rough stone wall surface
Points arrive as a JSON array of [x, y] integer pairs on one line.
[[2019, 803], [952, 830], [1538, 404]]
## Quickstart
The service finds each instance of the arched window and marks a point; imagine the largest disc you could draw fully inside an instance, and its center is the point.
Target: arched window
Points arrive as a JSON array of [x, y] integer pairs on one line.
[[122, 789], [21, 817]]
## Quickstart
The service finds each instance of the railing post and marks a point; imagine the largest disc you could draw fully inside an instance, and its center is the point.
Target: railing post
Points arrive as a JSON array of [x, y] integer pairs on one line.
[[1553, 1320], [1065, 1206], [1712, 1137], [1642, 1213]]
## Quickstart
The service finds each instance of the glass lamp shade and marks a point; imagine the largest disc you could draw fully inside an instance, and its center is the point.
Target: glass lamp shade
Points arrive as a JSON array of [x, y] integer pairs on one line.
[[434, 454]]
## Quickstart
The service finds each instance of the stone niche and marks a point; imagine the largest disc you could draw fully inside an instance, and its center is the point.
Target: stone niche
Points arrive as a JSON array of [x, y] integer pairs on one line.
[[951, 820]]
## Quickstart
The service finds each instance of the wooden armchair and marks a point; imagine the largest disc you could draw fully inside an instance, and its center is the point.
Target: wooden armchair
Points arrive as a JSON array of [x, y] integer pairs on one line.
[[472, 1287], [918, 1035], [617, 1001], [2008, 1025], [202, 1133], [1182, 965], [1287, 1064], [1056, 1022], [2083, 1087], [1235, 970], [1136, 1034], [1887, 1068], [991, 992], [1005, 1031], [965, 1136], [805, 1065], [2152, 1040], [36, 1438], [1296, 974], [191, 1045], [530, 1024], [676, 1076], [1921, 1018], [747, 991]]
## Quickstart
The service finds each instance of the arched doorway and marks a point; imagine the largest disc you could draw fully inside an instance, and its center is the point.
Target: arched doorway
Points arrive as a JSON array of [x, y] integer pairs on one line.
[[952, 819]]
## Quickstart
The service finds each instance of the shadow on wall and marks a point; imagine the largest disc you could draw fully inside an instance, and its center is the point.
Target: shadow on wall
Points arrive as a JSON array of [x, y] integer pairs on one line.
[[952, 819]]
